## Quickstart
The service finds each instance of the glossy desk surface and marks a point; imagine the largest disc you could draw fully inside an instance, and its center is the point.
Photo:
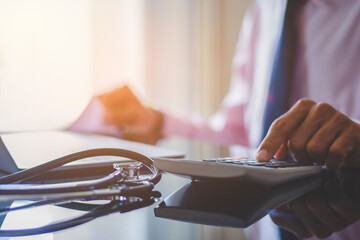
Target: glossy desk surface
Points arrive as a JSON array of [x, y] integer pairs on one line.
[[212, 210]]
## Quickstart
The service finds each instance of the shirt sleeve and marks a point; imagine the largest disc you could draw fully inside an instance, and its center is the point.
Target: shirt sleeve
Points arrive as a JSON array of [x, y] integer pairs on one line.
[[227, 126], [221, 128]]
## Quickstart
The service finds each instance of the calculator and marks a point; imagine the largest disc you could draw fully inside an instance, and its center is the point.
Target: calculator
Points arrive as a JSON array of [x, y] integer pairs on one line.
[[236, 168]]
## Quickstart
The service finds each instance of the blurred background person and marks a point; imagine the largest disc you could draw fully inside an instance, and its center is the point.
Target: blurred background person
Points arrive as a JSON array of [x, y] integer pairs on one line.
[[312, 129], [323, 130]]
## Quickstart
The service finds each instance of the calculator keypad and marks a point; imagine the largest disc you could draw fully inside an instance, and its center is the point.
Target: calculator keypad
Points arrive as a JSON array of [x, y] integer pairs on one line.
[[273, 163]]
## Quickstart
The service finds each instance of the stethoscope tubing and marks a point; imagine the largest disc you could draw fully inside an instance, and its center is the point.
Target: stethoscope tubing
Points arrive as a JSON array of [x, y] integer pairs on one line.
[[9, 185]]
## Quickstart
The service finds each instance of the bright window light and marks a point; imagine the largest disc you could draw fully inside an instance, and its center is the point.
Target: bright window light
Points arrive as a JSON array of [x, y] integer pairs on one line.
[[45, 63]]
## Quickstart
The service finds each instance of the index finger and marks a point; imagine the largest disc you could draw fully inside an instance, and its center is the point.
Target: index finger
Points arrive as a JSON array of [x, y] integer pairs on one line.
[[282, 128]]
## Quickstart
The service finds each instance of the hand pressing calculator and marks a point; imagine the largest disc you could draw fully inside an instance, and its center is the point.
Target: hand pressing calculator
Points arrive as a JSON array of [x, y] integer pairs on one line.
[[271, 173]]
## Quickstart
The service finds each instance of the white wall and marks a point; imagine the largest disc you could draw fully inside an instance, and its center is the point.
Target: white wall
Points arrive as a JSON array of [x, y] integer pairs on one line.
[[45, 63], [118, 43]]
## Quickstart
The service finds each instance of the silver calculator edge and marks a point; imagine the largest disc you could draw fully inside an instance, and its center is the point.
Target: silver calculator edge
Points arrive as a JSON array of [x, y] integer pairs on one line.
[[224, 171]]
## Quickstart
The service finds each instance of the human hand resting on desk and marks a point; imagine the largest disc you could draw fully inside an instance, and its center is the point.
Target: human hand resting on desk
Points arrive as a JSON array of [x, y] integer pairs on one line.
[[325, 210], [314, 133], [135, 121]]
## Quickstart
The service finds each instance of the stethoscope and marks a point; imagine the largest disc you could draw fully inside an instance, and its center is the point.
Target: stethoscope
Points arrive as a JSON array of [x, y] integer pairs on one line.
[[10, 185], [123, 187]]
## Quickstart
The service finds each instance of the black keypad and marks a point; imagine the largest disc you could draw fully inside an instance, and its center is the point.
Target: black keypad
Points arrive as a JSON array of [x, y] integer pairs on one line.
[[273, 163]]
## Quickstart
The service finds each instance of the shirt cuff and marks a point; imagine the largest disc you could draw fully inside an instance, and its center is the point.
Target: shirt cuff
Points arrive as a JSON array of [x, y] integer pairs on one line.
[[171, 126]]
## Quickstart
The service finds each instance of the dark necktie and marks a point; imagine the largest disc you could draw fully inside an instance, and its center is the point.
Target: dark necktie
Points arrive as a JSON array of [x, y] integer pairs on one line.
[[283, 66], [282, 74]]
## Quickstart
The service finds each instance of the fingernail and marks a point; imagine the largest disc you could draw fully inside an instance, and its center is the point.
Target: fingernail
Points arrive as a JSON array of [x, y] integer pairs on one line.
[[262, 154]]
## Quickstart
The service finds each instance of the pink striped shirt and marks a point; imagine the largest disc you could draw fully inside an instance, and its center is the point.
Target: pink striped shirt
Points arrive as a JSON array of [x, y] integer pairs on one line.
[[327, 70]]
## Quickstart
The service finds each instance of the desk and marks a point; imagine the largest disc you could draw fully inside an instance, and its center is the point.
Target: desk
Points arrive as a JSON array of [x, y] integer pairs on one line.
[[139, 224]]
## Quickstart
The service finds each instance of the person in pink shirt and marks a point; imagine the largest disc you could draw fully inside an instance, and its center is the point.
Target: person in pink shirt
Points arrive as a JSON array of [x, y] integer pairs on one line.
[[321, 127]]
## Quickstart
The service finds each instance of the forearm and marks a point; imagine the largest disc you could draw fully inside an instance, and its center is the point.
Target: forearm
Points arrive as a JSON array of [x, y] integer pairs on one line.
[[225, 129]]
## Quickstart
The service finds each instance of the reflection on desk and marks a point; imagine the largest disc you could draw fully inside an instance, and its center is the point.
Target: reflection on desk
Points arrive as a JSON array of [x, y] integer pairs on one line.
[[318, 207], [230, 204], [91, 209], [332, 210], [139, 224], [236, 205]]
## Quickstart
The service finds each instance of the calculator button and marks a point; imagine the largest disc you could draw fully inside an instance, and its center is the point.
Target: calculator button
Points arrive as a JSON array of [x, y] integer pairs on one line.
[[226, 161], [210, 160], [240, 162], [271, 165], [258, 164]]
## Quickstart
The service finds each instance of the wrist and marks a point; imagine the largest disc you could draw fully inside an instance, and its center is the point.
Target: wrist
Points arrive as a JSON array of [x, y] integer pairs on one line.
[[159, 124]]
